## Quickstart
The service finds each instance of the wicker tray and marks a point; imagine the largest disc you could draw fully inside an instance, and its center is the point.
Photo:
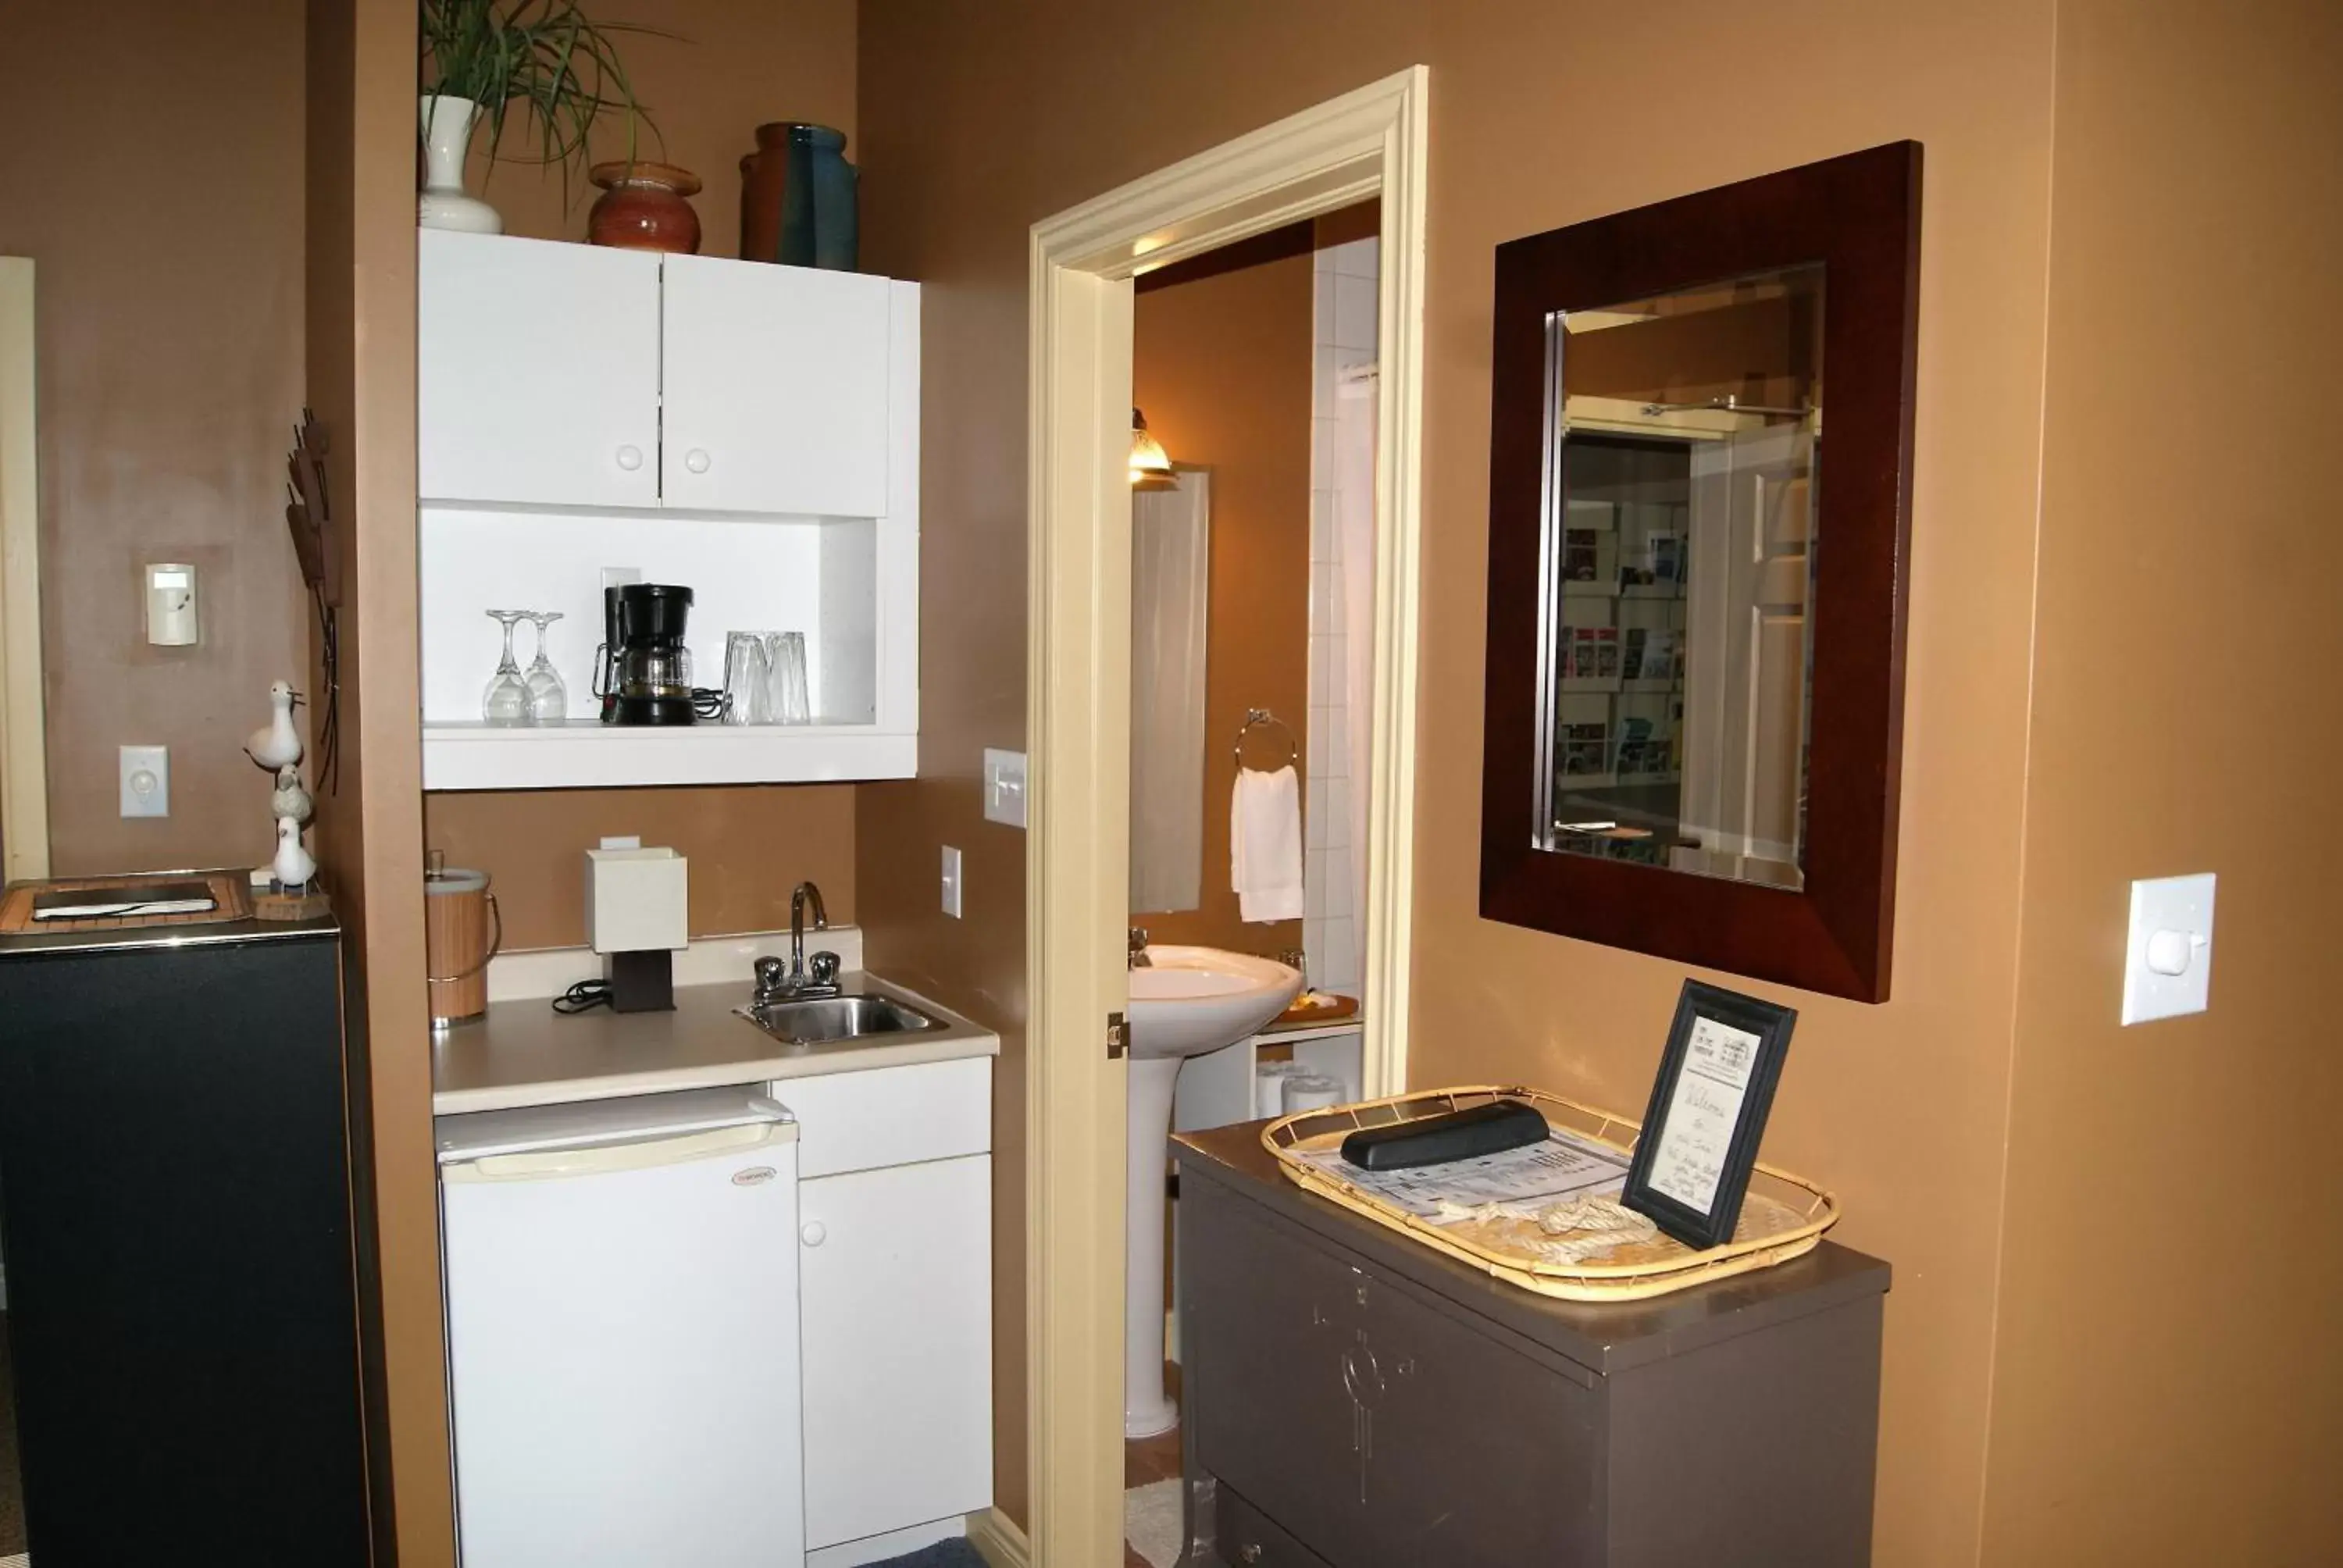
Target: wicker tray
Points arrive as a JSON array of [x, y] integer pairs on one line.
[[1782, 1217]]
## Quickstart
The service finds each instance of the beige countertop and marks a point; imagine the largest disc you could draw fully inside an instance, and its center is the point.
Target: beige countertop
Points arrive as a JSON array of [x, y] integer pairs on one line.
[[525, 1053]]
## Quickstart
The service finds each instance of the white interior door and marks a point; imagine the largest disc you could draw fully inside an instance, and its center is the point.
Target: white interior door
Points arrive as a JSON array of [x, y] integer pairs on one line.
[[896, 1295], [776, 387], [1745, 667], [538, 372]]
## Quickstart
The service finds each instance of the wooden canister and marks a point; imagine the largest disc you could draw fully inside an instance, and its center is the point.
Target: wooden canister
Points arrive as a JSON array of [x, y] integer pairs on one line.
[[462, 930]]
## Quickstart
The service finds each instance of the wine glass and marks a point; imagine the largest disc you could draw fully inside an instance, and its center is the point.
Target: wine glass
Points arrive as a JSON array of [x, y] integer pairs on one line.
[[548, 698], [507, 700]]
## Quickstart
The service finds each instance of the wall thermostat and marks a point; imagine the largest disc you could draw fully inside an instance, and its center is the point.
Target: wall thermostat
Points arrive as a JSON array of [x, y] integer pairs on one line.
[[171, 620]]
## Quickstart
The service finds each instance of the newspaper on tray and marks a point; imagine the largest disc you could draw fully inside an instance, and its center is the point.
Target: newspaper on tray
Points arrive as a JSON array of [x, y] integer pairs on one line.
[[1562, 1168]]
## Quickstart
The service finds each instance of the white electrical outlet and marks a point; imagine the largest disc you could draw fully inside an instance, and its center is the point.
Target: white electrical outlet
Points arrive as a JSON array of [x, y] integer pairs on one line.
[[952, 881], [2168, 956], [1004, 787], [147, 781]]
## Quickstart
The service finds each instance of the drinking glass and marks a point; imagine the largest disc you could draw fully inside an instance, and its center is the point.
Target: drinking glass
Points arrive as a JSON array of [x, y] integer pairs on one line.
[[785, 678], [548, 698], [744, 697], [506, 701]]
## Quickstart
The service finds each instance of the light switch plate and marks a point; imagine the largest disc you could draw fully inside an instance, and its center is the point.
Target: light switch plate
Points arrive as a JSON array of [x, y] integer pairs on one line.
[[1004, 787], [2181, 909], [952, 881], [147, 781]]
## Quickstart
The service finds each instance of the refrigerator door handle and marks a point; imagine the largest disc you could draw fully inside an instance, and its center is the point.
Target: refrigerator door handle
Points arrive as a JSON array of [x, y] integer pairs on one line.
[[601, 1159]]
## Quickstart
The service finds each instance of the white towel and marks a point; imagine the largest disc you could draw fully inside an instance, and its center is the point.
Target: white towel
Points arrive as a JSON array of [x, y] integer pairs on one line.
[[1265, 845]]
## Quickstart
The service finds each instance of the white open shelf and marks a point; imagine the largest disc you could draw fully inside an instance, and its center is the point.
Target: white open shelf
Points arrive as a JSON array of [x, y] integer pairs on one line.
[[821, 577], [585, 754]]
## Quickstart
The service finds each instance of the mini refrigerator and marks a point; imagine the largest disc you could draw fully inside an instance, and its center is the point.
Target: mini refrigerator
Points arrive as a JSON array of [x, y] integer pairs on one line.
[[622, 1332]]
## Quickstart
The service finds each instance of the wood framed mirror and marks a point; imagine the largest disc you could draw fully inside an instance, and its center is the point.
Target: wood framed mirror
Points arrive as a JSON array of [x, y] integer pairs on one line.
[[1695, 632]]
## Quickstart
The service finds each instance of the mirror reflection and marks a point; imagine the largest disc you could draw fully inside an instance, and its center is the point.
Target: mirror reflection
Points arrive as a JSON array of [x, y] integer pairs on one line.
[[1683, 439]]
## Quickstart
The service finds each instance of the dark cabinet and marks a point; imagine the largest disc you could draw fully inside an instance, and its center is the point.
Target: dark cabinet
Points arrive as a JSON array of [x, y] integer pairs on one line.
[[176, 1215], [1352, 1401]]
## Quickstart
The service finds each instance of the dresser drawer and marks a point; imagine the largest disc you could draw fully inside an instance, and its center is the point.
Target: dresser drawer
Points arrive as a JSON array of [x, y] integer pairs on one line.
[[1362, 1414], [1245, 1537], [890, 1115]]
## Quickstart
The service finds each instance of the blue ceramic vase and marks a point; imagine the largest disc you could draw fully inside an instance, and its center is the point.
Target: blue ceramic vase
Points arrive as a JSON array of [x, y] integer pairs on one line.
[[799, 199]]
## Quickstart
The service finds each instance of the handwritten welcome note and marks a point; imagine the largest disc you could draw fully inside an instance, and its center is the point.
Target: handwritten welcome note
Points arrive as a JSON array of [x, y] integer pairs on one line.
[[1697, 1134]]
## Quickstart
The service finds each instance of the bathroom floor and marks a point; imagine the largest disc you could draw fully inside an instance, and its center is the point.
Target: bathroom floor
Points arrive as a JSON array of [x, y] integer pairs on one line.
[[1148, 1460]]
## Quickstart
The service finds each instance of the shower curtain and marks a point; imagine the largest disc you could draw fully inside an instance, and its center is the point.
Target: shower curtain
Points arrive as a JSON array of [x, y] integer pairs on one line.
[[1171, 559], [1355, 403]]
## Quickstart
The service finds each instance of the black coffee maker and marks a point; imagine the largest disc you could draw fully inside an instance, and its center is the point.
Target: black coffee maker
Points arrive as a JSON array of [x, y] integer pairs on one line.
[[648, 674]]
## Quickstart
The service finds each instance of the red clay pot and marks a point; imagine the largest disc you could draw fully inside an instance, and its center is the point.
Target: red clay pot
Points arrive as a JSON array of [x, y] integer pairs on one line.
[[642, 207]]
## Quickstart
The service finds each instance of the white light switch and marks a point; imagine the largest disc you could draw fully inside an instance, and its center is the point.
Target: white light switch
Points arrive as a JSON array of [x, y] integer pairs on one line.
[[952, 881], [147, 781], [2168, 956], [1004, 787]]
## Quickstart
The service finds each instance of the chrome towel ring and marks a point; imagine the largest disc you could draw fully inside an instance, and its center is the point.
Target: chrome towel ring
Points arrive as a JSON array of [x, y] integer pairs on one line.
[[1256, 717]]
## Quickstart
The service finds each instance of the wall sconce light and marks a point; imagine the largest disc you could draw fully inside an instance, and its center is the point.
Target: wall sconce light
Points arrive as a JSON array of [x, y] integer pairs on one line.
[[1151, 465]]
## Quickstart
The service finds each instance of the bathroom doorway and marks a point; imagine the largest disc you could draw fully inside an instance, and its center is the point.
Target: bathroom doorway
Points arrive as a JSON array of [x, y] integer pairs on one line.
[[1368, 146]]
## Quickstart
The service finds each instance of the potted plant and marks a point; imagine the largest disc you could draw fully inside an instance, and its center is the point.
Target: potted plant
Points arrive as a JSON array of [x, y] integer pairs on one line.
[[489, 58]]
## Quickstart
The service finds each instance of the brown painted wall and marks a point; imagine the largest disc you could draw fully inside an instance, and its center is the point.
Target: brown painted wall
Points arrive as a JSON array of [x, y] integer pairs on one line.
[[2145, 1411], [732, 66], [153, 154], [360, 351], [978, 122], [1222, 367], [729, 66], [747, 849]]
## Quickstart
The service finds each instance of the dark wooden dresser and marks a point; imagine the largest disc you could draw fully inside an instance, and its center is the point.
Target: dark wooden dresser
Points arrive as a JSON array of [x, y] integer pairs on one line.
[[1350, 1399]]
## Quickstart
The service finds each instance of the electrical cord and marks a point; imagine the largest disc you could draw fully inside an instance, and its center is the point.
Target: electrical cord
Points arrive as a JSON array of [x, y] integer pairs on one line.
[[584, 996]]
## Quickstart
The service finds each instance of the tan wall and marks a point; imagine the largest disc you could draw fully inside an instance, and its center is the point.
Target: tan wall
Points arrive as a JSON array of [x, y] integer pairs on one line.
[[729, 66], [2147, 1411], [360, 351], [1222, 367], [747, 849], [732, 66], [152, 152], [977, 122]]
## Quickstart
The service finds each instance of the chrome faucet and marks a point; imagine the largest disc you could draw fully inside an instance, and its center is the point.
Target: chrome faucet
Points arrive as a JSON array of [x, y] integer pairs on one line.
[[1137, 951], [804, 893], [799, 980]]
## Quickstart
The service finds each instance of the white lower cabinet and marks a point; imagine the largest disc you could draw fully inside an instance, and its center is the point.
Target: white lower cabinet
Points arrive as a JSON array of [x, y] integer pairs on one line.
[[896, 1306]]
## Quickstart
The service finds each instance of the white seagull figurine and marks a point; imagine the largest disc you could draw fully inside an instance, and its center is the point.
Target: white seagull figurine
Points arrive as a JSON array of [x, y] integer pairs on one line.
[[294, 865], [292, 797], [277, 744]]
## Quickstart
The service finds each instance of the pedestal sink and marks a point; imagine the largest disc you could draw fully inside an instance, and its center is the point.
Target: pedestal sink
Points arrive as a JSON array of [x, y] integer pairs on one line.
[[1185, 1002]]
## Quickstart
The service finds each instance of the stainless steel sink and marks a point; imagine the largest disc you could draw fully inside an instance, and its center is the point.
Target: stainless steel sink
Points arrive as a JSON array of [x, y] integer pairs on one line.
[[830, 1020]]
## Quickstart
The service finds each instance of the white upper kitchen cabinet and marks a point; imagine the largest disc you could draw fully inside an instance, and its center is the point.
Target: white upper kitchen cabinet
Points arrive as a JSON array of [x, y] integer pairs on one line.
[[538, 372], [776, 390]]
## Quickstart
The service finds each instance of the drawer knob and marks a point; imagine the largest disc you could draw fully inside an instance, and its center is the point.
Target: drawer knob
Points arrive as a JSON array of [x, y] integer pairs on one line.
[[631, 458], [696, 460], [813, 1233]]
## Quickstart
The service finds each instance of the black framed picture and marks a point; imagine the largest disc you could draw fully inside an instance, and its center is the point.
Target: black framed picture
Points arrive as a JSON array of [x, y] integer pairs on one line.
[[1707, 1112]]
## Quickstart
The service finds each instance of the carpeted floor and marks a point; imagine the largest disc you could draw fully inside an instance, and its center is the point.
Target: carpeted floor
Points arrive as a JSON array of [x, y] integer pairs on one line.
[[11, 1500], [942, 1554]]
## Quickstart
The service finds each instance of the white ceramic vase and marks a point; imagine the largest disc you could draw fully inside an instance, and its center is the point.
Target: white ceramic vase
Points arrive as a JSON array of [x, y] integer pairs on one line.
[[446, 125]]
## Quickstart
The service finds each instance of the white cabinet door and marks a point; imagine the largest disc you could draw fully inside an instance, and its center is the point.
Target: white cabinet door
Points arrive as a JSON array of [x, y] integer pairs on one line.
[[538, 372], [895, 1294], [776, 382]]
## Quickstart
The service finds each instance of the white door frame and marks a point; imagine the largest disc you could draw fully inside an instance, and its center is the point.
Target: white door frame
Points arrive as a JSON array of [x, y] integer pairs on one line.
[[1368, 143], [24, 746]]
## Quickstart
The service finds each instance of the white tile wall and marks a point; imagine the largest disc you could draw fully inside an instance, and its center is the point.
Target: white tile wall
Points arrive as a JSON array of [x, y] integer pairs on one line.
[[1344, 317]]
